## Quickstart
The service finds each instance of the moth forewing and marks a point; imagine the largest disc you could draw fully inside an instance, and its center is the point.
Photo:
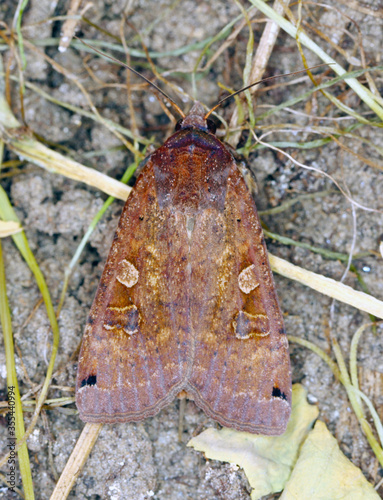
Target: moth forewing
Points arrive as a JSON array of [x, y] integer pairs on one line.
[[187, 299]]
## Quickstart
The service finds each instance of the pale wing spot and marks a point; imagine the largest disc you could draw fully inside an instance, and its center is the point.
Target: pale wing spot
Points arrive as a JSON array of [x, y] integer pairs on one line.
[[247, 280], [127, 274]]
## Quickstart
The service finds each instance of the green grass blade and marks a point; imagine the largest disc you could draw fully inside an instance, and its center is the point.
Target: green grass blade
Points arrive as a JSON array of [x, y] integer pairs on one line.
[[15, 414], [7, 213]]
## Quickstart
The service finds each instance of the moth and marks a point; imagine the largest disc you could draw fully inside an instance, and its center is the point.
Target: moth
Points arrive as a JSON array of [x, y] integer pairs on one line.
[[187, 300]]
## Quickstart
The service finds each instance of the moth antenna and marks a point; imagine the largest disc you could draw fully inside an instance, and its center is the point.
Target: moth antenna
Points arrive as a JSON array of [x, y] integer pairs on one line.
[[169, 99], [256, 83]]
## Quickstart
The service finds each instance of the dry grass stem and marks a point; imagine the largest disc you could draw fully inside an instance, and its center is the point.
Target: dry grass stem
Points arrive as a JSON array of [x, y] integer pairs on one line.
[[76, 461], [7, 228], [261, 59], [328, 286]]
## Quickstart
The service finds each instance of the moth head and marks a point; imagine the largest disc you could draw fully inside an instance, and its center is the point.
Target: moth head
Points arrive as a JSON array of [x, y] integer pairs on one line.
[[196, 119]]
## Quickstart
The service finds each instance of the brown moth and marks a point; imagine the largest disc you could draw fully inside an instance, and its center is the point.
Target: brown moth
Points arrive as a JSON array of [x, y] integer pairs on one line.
[[187, 300]]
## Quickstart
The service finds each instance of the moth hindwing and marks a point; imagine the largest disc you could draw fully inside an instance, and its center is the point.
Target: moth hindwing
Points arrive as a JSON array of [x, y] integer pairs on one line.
[[187, 298]]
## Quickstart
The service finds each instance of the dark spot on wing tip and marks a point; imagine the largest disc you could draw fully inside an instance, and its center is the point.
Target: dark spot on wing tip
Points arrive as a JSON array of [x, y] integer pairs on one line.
[[277, 393], [282, 331], [90, 320], [91, 380]]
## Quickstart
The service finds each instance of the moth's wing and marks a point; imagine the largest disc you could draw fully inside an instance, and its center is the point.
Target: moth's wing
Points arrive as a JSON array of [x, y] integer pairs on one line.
[[131, 363], [241, 371]]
